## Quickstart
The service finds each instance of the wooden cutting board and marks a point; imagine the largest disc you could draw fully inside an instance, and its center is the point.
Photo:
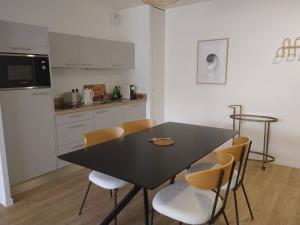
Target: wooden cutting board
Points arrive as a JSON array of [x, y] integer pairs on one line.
[[99, 90]]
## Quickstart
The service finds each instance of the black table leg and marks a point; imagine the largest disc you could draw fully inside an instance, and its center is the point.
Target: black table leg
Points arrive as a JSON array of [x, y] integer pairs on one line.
[[111, 216], [146, 206], [172, 180]]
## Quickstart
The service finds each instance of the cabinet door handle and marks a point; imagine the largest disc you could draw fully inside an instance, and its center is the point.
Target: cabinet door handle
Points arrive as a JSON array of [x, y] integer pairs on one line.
[[21, 48], [71, 64], [77, 146], [76, 116], [87, 64], [40, 93], [102, 111], [77, 126]]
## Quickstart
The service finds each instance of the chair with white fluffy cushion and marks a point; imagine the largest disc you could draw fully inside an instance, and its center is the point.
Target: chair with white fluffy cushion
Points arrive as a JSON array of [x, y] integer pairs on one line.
[[194, 202], [240, 152], [97, 178]]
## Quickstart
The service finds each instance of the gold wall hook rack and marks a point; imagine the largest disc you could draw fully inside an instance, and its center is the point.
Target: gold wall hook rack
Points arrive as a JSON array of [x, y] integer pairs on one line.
[[288, 50]]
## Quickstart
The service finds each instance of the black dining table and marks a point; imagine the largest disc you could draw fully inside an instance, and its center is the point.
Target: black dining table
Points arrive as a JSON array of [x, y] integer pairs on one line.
[[145, 165]]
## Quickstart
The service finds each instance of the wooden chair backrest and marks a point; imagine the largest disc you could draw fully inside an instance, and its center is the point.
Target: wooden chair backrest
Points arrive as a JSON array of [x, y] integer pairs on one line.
[[135, 126], [102, 135], [240, 148], [209, 179]]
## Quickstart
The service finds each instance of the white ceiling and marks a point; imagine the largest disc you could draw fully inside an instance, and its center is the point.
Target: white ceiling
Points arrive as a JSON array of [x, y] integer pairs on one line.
[[123, 4]]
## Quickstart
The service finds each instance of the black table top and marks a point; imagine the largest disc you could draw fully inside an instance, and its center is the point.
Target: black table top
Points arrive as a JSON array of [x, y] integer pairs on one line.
[[134, 159]]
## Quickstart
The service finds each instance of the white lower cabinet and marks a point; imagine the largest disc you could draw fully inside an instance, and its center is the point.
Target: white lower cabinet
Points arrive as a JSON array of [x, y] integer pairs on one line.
[[109, 117], [66, 149], [73, 132], [70, 128], [136, 111]]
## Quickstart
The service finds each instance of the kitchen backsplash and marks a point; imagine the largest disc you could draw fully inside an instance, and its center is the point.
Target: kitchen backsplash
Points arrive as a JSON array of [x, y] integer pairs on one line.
[[64, 80]]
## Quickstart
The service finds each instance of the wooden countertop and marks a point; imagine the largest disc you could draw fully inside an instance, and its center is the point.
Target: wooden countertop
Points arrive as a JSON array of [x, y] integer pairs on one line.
[[63, 111]]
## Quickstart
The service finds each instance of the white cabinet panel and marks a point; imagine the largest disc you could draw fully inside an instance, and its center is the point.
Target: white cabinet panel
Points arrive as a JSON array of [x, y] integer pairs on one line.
[[72, 132], [94, 53], [122, 55], [135, 111], [109, 117], [64, 50], [73, 117], [23, 38], [66, 149], [29, 133]]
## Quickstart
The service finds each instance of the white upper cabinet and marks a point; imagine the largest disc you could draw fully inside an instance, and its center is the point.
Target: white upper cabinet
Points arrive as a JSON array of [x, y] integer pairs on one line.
[[64, 50], [94, 53], [90, 53], [122, 55], [23, 38]]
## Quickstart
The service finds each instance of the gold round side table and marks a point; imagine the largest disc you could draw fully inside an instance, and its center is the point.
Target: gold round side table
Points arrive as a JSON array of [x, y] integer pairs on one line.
[[266, 120]]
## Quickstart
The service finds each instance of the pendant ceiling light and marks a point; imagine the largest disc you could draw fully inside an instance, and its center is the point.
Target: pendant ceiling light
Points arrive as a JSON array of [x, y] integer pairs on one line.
[[159, 2]]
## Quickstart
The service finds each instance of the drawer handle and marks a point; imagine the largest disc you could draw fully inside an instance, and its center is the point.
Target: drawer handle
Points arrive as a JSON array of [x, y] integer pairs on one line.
[[102, 111], [77, 146], [71, 64], [21, 48], [40, 93], [76, 116], [87, 64], [77, 126]]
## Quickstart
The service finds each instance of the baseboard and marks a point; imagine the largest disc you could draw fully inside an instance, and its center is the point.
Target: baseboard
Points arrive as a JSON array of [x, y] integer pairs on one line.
[[28, 185], [7, 202], [287, 163]]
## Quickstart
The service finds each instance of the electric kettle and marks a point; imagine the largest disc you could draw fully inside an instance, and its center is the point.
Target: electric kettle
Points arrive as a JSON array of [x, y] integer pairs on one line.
[[87, 96]]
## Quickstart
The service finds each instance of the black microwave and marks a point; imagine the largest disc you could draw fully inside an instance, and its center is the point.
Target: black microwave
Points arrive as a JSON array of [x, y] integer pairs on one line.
[[24, 71]]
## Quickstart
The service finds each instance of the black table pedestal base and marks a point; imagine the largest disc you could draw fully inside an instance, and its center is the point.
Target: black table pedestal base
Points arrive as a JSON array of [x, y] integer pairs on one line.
[[111, 216]]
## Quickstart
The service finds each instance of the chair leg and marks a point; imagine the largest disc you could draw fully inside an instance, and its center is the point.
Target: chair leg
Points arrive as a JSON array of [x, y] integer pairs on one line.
[[116, 202], [236, 208], [152, 216], [85, 196], [225, 218], [247, 200]]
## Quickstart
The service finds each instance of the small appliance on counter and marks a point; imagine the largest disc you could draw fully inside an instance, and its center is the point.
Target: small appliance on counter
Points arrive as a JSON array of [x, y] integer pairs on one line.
[[99, 92], [72, 99], [88, 96], [129, 91], [116, 95]]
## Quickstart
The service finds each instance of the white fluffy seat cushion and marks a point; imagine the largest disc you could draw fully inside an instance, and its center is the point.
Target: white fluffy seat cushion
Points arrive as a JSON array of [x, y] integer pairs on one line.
[[186, 204], [106, 181], [233, 180]]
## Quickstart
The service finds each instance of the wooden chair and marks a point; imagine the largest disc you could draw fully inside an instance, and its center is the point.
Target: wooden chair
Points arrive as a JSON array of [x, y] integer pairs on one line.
[[135, 126], [194, 202], [240, 152], [97, 178]]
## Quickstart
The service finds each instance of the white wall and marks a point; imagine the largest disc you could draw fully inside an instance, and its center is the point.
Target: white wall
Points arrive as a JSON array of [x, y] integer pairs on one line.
[[158, 64], [144, 26], [136, 26], [87, 18], [256, 29], [5, 198]]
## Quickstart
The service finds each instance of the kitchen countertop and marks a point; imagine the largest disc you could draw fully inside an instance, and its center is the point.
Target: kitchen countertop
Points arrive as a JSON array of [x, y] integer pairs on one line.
[[63, 111]]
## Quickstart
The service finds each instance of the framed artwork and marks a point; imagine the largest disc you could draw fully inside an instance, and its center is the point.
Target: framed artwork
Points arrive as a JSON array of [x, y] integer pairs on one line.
[[212, 61]]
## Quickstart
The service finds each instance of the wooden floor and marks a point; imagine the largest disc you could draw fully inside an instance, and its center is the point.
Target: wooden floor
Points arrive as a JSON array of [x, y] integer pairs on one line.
[[274, 196]]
